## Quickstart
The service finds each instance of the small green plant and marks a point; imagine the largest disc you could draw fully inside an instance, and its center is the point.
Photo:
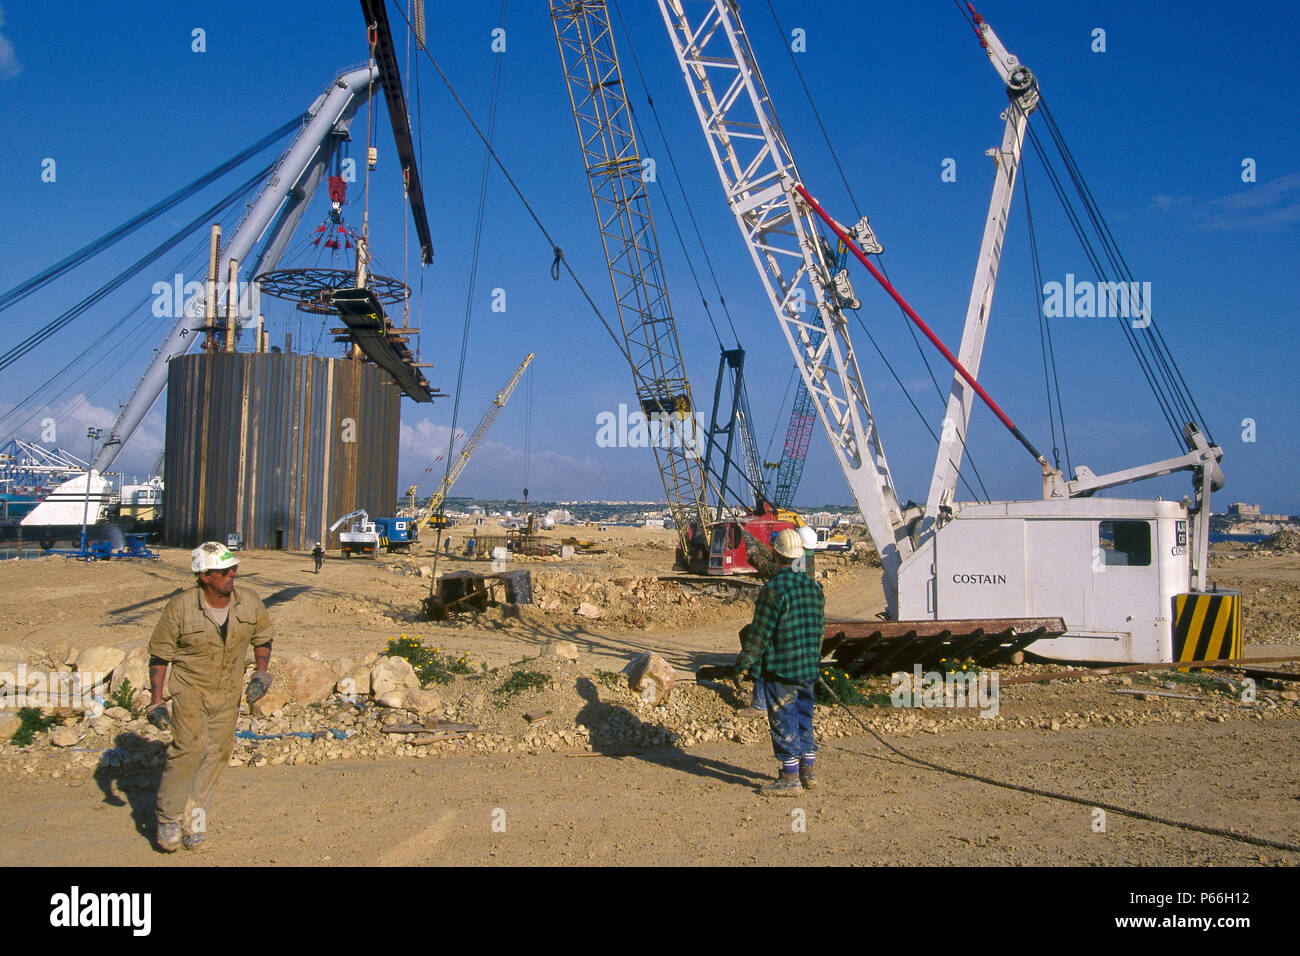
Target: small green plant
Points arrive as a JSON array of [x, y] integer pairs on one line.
[[846, 688], [430, 663], [946, 667], [32, 724], [1201, 681], [610, 679], [124, 697], [521, 681]]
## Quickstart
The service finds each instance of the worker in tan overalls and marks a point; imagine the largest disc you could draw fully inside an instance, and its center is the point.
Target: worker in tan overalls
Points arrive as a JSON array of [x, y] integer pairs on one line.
[[204, 634]]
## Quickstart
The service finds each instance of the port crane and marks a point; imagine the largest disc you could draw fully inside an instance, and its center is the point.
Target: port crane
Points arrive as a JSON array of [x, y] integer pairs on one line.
[[1116, 572]]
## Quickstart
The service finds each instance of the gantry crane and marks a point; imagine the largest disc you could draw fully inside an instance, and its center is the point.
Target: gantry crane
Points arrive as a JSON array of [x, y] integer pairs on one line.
[[1115, 572], [430, 510]]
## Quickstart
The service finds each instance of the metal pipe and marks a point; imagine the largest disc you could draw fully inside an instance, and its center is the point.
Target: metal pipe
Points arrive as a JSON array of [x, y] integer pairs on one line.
[[210, 293], [232, 305]]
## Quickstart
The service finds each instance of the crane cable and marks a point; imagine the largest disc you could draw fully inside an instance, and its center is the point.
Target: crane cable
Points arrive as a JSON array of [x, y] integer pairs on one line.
[[1046, 345], [1156, 361], [857, 210], [106, 362], [1224, 832], [560, 262], [26, 288], [1161, 354], [473, 271], [1090, 253], [40, 335]]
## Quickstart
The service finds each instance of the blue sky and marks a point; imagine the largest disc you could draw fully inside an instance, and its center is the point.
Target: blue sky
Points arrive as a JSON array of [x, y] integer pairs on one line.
[[1160, 123]]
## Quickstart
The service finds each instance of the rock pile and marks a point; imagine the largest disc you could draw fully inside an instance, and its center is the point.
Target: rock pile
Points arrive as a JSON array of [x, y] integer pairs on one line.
[[555, 703], [1286, 541]]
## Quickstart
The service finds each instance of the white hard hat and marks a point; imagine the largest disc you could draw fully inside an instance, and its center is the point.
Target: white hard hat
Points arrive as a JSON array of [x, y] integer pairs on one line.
[[788, 544], [212, 556], [808, 536]]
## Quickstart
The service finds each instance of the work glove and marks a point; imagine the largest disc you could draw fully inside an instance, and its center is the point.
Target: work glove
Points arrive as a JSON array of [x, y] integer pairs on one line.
[[737, 677], [257, 687], [159, 717]]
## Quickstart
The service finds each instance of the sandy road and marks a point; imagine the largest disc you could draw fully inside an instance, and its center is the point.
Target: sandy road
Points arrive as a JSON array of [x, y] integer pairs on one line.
[[666, 807]]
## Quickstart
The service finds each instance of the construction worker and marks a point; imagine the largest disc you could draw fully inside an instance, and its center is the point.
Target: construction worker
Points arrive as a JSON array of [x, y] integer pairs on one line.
[[783, 649], [318, 556], [204, 635], [469, 546]]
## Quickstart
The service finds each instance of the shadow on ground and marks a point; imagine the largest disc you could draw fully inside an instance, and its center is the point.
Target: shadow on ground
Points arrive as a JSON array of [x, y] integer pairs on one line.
[[130, 773], [596, 713]]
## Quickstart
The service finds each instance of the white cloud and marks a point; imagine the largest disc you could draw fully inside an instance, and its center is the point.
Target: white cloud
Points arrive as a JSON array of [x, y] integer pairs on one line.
[[63, 425], [496, 470], [1265, 206], [9, 65]]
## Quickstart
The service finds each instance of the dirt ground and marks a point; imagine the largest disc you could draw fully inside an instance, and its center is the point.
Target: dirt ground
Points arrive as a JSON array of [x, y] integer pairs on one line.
[[607, 779]]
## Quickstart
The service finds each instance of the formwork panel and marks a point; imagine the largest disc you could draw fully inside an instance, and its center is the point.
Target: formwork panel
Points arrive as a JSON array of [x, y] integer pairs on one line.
[[276, 447]]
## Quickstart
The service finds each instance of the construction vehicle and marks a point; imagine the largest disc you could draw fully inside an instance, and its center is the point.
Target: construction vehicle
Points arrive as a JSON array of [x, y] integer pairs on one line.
[[397, 534], [1071, 577], [828, 540], [362, 536], [431, 513]]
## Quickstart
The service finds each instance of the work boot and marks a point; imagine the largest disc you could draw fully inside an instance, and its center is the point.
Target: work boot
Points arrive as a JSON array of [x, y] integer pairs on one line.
[[807, 777], [169, 837], [785, 784], [194, 842], [750, 713]]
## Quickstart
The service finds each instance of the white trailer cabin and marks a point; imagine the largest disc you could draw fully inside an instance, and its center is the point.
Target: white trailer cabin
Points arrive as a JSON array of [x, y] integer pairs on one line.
[[1110, 567]]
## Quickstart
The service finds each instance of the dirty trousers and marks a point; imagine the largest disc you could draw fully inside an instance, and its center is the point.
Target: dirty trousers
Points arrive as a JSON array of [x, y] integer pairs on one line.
[[789, 717], [203, 736]]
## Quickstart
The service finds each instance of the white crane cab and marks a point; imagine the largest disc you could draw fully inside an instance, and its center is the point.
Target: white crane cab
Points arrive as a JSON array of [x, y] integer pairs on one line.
[[1111, 568]]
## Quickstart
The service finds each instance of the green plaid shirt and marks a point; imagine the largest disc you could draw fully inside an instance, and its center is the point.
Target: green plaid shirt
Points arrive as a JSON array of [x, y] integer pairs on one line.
[[785, 637]]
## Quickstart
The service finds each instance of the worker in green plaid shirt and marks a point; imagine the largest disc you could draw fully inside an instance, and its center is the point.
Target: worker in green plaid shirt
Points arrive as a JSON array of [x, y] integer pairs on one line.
[[783, 649]]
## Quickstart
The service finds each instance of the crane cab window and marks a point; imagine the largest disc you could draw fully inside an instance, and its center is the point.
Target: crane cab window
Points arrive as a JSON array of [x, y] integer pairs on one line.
[[1125, 543]]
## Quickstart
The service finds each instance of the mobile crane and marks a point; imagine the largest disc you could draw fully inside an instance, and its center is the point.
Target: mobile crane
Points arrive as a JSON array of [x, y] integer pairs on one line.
[[1117, 572]]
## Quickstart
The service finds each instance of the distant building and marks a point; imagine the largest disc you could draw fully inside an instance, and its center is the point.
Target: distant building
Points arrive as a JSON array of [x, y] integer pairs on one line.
[[1239, 509]]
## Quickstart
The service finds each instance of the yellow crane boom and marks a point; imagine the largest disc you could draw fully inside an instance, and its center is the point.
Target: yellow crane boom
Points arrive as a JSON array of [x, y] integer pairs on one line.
[[462, 456]]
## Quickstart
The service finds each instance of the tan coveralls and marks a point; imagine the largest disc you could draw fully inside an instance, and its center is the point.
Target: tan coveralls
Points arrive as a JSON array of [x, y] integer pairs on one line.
[[207, 676]]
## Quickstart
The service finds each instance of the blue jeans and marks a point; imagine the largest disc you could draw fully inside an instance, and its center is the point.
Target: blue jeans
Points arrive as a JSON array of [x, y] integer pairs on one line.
[[789, 716]]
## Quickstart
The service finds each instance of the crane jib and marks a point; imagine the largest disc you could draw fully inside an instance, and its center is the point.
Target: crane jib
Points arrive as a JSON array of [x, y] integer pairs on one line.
[[861, 256]]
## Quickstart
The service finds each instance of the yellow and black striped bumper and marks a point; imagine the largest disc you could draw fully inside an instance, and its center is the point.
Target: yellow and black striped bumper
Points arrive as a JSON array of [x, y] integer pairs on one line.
[[1207, 626]]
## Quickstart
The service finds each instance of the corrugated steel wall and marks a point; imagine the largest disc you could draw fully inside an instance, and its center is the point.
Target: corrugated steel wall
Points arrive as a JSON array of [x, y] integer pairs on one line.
[[276, 447]]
